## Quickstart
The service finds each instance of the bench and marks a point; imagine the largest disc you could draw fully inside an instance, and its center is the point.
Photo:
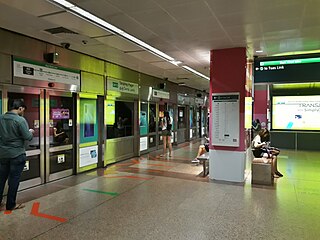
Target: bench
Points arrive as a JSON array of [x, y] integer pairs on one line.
[[204, 158], [261, 171]]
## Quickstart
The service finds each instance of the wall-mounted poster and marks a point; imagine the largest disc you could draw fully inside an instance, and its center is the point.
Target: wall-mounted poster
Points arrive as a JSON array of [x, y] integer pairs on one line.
[[88, 156], [60, 113], [225, 119], [143, 143], [88, 120]]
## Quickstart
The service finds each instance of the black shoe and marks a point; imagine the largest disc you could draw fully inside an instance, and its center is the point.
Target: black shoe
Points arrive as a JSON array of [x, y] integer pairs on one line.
[[279, 174]]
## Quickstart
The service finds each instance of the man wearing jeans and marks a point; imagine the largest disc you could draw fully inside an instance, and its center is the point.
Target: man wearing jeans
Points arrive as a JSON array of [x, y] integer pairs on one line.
[[14, 131]]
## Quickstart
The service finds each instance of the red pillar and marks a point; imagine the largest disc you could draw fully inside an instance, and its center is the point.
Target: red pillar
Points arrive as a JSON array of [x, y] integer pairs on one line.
[[228, 75]]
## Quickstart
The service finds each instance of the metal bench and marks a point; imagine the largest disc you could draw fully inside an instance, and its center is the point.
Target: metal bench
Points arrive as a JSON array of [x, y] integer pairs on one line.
[[204, 158], [261, 171]]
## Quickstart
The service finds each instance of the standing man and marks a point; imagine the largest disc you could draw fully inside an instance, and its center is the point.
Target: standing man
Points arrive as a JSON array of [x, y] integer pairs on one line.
[[14, 131]]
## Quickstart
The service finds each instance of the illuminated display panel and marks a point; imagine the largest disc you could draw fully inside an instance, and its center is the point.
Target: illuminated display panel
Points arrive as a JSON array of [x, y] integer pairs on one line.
[[248, 112], [286, 69], [296, 112], [110, 112]]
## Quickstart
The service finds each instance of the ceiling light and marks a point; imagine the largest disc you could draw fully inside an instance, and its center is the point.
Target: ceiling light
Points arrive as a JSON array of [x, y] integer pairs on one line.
[[182, 84], [196, 72], [175, 62], [63, 3], [259, 51], [111, 28]]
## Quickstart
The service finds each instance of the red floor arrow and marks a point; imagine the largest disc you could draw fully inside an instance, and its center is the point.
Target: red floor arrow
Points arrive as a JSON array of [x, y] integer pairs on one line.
[[35, 212]]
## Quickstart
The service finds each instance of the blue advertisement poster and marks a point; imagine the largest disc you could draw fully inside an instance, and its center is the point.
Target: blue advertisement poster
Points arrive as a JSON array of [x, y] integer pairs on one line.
[[191, 117], [144, 119], [88, 121], [171, 117]]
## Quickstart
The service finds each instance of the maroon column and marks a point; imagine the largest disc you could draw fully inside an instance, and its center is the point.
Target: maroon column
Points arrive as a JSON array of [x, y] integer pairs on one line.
[[228, 75]]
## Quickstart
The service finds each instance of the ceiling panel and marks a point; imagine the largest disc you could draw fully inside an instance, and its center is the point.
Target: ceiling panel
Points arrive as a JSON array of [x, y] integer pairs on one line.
[[119, 43], [100, 8], [165, 65], [172, 32], [148, 18], [290, 11], [281, 25], [133, 6], [42, 7], [170, 3], [184, 29], [144, 56], [230, 6], [75, 24], [32, 28], [183, 12]]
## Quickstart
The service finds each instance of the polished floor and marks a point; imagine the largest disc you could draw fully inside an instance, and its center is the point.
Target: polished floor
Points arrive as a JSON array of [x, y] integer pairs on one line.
[[157, 198]]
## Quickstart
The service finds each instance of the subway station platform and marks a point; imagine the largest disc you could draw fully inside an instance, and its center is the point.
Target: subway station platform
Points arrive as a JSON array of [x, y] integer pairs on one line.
[[167, 198]]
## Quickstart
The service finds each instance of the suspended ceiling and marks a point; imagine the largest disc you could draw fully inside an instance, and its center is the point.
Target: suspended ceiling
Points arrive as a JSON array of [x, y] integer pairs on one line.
[[184, 29]]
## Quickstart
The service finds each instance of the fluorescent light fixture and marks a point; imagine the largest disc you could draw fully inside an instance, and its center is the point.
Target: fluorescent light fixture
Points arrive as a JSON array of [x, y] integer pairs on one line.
[[111, 28], [195, 72], [63, 3], [175, 62], [259, 51], [146, 46]]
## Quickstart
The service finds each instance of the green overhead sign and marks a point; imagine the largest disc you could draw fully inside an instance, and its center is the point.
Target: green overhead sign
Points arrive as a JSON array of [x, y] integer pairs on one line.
[[290, 61]]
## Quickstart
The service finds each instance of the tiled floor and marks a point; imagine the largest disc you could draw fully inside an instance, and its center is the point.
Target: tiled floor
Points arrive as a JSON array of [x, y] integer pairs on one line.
[[155, 198]]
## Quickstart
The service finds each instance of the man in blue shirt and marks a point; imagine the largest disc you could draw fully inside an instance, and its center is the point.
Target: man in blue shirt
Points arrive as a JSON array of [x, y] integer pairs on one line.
[[14, 131]]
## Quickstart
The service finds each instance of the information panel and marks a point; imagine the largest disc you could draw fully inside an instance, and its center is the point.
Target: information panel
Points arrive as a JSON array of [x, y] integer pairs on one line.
[[44, 72], [285, 69], [88, 156], [225, 119]]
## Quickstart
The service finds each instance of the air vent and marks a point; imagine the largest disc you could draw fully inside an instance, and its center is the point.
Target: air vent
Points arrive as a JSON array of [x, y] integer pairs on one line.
[[59, 30]]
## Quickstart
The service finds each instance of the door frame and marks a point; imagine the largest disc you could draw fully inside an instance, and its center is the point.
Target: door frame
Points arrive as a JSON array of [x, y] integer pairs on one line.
[[65, 173]]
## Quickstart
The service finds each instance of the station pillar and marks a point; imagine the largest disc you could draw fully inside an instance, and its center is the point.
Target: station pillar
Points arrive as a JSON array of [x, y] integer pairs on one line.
[[227, 114]]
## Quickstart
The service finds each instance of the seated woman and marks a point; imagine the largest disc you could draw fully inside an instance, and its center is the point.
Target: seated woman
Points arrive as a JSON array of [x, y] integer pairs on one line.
[[261, 149], [203, 148], [59, 136]]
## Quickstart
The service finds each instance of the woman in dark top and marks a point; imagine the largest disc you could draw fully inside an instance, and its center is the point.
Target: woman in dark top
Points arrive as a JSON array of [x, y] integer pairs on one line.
[[166, 125], [261, 149]]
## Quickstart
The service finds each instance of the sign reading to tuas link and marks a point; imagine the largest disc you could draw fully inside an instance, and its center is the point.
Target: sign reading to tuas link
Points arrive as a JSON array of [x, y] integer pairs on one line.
[[122, 86], [24, 68]]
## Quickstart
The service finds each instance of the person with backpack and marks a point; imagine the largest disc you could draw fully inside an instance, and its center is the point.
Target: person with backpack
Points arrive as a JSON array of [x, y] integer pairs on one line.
[[166, 126]]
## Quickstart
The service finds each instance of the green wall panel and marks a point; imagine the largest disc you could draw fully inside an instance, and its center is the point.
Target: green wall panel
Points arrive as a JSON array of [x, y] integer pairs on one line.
[[122, 73], [92, 83]]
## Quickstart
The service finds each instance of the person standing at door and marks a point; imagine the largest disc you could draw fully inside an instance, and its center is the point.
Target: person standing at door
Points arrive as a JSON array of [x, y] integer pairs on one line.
[[14, 131]]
